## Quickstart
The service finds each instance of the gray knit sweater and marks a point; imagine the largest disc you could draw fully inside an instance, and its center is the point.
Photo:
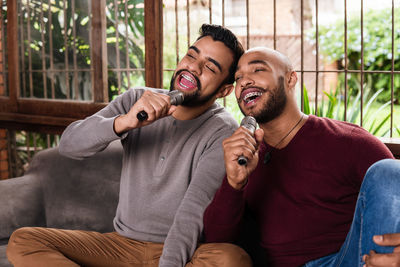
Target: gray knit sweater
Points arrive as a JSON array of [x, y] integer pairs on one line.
[[170, 172]]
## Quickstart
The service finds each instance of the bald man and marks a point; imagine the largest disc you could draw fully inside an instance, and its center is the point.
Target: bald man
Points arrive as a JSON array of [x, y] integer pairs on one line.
[[303, 177]]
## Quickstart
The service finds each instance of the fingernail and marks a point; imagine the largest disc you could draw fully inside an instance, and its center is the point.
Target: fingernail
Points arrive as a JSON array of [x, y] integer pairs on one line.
[[378, 238]]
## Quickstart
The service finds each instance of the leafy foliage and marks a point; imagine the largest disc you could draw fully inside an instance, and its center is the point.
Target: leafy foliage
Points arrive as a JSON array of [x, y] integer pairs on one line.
[[61, 32], [374, 121], [129, 16], [377, 48], [47, 37]]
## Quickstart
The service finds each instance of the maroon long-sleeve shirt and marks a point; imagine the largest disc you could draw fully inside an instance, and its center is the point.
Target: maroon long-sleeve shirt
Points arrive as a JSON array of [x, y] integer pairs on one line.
[[304, 197]]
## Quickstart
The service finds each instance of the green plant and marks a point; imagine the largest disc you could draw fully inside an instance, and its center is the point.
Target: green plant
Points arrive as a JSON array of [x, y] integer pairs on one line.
[[64, 47], [377, 48], [37, 15], [129, 18], [25, 145], [333, 107]]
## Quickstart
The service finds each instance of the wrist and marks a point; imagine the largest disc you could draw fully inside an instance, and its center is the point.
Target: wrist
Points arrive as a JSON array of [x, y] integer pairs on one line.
[[119, 125], [237, 185]]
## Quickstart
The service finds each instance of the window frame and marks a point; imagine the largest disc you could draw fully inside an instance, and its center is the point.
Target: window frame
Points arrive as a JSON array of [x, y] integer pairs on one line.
[[52, 116]]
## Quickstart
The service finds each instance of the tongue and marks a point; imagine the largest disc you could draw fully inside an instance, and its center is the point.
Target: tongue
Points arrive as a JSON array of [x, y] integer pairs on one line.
[[187, 83]]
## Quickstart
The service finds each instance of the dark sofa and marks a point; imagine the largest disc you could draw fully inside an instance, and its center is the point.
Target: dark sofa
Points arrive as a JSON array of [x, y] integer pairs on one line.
[[62, 193], [77, 194]]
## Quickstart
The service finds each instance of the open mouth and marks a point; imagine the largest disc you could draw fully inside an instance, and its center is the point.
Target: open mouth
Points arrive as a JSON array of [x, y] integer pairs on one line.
[[251, 96], [186, 81]]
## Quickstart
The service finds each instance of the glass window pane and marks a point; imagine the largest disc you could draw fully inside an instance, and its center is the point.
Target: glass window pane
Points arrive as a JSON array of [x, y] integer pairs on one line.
[[55, 49], [125, 45]]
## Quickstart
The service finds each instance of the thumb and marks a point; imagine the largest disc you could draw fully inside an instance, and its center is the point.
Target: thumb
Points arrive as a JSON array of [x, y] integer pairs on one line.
[[259, 135], [387, 239]]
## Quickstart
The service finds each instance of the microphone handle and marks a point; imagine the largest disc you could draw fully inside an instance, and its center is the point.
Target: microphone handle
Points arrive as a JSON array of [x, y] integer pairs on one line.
[[142, 115], [242, 160], [250, 124], [176, 98]]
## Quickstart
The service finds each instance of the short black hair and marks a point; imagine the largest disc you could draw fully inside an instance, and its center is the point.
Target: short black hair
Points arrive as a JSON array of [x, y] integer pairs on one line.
[[222, 34]]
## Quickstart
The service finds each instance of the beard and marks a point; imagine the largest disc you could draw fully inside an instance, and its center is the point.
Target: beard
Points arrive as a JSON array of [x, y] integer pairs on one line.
[[193, 99], [274, 105]]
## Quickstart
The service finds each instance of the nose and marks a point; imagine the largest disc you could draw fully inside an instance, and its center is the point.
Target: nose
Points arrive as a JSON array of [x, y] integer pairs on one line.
[[246, 81], [195, 67]]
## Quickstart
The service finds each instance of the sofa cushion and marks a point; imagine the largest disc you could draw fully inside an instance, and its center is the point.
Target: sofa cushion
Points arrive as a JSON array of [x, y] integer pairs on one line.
[[80, 194], [22, 204], [3, 257], [63, 193]]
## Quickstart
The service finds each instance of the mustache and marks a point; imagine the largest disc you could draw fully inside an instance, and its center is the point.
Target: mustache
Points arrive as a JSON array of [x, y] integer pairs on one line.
[[255, 87]]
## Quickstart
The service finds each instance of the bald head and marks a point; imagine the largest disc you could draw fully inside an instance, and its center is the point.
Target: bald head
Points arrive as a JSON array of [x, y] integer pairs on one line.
[[272, 57], [265, 83]]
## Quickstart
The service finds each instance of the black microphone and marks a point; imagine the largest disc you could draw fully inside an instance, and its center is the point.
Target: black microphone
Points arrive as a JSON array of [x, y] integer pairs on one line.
[[250, 124], [175, 98]]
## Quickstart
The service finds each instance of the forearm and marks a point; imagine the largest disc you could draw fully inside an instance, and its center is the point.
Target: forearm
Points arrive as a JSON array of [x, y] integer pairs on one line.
[[86, 137], [223, 216], [184, 234], [187, 227]]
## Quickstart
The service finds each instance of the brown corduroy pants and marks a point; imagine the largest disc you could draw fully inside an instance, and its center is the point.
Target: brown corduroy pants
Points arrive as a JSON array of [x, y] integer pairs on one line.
[[47, 247]]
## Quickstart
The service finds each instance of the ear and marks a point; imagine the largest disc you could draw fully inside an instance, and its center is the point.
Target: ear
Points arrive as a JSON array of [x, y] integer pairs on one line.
[[225, 90], [292, 79]]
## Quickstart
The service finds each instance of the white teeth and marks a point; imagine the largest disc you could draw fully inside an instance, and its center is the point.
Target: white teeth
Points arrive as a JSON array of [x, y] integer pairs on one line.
[[189, 78], [184, 86], [250, 95]]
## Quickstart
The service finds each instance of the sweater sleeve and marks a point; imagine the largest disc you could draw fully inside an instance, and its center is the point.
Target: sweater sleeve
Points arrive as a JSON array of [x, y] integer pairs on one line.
[[223, 216], [184, 234], [84, 138]]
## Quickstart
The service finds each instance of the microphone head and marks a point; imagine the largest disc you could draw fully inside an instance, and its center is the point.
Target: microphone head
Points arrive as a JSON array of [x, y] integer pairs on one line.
[[176, 97], [249, 123]]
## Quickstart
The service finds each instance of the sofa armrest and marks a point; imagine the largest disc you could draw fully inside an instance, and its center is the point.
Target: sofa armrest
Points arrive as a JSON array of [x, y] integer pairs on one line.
[[393, 144], [21, 204]]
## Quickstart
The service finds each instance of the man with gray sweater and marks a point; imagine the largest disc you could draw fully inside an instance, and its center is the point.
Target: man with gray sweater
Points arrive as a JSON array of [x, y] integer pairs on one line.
[[172, 166]]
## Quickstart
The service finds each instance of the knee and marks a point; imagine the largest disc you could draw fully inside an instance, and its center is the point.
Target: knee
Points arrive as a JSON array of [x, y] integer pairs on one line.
[[20, 238], [234, 255], [383, 179], [385, 172], [21, 233], [16, 239], [384, 168], [221, 254]]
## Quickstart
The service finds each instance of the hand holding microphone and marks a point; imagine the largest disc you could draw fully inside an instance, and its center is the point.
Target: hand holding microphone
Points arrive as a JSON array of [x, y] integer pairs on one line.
[[241, 152], [150, 107], [176, 98]]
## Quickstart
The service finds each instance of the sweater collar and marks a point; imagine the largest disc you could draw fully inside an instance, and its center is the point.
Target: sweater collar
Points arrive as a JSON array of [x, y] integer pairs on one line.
[[203, 117]]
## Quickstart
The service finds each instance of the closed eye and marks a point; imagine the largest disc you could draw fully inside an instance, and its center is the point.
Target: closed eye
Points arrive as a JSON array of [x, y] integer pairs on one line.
[[210, 68], [237, 78]]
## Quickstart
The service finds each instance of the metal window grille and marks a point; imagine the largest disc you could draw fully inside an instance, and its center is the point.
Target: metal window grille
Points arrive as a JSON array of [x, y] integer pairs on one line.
[[56, 51], [3, 72], [22, 146], [286, 25], [55, 47], [125, 43]]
